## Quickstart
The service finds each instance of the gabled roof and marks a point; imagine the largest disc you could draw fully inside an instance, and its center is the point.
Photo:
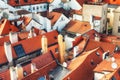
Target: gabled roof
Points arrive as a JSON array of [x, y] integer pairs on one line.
[[6, 27], [105, 46], [77, 27], [106, 66], [30, 45], [26, 2], [54, 16], [82, 65]]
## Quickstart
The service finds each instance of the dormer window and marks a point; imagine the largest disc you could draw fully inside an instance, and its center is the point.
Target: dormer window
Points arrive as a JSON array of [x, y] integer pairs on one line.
[[17, 1], [26, 1]]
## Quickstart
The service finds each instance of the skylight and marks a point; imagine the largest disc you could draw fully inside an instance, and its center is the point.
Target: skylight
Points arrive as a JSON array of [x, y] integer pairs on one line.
[[19, 50]]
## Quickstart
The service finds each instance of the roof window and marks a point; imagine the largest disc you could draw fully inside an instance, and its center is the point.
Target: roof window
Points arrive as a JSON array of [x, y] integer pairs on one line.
[[19, 50]]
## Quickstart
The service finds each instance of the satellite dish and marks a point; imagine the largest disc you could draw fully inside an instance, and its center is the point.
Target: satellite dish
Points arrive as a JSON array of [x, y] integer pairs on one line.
[[114, 65]]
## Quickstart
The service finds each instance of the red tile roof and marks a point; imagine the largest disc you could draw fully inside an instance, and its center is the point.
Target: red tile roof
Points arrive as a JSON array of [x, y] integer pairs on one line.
[[5, 75], [6, 27], [82, 65], [28, 2], [30, 45], [105, 46]]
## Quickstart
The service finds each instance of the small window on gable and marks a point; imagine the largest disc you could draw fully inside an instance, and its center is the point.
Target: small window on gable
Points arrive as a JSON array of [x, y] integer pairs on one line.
[[119, 72], [92, 62], [19, 50], [113, 78], [114, 0], [118, 29], [56, 49]]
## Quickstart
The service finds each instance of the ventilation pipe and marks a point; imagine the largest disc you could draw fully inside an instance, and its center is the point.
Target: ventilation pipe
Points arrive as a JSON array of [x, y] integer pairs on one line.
[[13, 37], [8, 51], [44, 44], [75, 51]]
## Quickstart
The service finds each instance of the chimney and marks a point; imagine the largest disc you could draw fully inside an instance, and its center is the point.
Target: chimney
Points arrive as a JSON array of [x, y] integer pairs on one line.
[[19, 71], [44, 44], [33, 67], [61, 48], [13, 37], [8, 51], [13, 73]]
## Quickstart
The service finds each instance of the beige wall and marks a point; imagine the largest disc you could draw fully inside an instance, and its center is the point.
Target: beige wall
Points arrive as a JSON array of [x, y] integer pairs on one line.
[[116, 23], [96, 10]]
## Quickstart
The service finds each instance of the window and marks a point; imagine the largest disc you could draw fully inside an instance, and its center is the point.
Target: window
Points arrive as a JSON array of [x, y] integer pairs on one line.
[[92, 62], [113, 78], [119, 72], [19, 50], [118, 29], [26, 1], [37, 8], [33, 8], [114, 0], [119, 18]]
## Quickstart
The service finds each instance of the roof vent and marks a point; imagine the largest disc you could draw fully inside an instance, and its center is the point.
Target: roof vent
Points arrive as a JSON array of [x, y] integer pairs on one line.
[[13, 37], [8, 51]]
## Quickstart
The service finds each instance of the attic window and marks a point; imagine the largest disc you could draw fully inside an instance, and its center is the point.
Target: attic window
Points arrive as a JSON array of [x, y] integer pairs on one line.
[[92, 62], [19, 50], [118, 29], [17, 1], [113, 78], [119, 72], [25, 73], [25, 0]]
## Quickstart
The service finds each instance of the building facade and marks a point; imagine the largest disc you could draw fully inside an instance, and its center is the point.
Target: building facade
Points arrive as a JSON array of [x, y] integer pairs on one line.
[[99, 10]]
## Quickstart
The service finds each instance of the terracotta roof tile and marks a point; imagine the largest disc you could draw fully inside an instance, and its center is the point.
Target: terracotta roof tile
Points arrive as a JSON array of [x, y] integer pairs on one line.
[[54, 16], [5, 75], [105, 46], [6, 27], [27, 2], [78, 27], [30, 45], [82, 65]]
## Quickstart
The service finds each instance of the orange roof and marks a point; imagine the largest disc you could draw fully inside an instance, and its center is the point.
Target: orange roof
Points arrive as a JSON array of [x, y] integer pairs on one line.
[[30, 45], [6, 27], [78, 27], [53, 16], [105, 46], [5, 75], [82, 65], [26, 2], [4, 39], [111, 39], [91, 34], [105, 66]]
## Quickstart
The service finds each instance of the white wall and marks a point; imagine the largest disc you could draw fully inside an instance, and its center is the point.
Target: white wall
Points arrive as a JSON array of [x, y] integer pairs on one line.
[[33, 24], [35, 8], [61, 23]]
